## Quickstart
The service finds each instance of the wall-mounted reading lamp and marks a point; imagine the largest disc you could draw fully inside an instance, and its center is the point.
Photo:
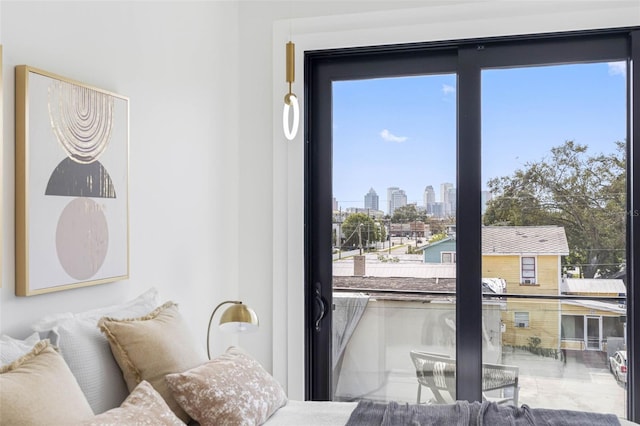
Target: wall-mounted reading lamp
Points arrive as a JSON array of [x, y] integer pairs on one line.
[[238, 318], [290, 99]]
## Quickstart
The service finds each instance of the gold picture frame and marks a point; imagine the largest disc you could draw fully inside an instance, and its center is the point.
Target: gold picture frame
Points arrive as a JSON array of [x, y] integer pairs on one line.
[[72, 177]]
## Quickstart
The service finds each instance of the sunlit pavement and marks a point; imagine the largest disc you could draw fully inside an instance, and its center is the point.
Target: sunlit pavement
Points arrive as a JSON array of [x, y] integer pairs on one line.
[[582, 383]]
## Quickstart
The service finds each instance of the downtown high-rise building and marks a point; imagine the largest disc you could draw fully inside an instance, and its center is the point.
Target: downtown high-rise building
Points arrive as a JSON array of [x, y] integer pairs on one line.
[[371, 200], [447, 197], [389, 198], [429, 199], [397, 198]]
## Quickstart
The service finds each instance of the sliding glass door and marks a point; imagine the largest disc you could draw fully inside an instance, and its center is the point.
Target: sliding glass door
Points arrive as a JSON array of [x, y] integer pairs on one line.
[[554, 174], [394, 164], [469, 222]]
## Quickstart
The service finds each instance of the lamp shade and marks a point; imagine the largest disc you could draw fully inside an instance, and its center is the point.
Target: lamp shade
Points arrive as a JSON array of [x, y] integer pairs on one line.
[[239, 318]]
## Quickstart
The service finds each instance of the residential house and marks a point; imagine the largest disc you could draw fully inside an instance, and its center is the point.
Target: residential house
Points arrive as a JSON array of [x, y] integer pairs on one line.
[[441, 251], [529, 259], [593, 324]]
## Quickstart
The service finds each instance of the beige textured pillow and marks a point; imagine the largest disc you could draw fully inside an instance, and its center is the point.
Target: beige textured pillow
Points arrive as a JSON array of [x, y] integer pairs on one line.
[[232, 389], [144, 406], [39, 389], [150, 347]]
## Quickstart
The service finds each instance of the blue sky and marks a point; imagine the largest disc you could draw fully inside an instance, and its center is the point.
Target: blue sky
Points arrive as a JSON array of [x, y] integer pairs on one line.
[[401, 131]]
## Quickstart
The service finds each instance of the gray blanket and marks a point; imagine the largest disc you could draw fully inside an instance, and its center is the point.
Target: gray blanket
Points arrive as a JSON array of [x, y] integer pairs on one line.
[[463, 413]]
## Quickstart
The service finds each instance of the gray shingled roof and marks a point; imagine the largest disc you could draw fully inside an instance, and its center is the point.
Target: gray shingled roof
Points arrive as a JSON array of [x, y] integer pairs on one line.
[[524, 240], [398, 284]]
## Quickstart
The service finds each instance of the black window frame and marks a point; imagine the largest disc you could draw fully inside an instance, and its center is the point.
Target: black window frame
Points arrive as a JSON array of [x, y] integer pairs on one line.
[[466, 58]]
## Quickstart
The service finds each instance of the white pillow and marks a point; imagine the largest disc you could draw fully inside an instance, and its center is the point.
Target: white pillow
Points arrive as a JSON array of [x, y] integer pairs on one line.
[[87, 351], [11, 349], [47, 323]]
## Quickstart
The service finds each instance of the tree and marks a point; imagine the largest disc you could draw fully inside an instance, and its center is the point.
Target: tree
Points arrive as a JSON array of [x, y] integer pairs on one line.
[[584, 194], [383, 231], [405, 214], [360, 230]]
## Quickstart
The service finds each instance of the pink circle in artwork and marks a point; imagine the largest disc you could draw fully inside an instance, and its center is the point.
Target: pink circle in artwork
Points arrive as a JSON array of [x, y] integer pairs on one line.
[[82, 238]]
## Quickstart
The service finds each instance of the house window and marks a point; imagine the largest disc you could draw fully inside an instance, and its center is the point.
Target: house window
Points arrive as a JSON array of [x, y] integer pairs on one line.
[[448, 257], [521, 319], [528, 270]]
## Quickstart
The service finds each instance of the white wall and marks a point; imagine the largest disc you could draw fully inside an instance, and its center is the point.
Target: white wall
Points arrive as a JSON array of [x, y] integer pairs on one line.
[[177, 62]]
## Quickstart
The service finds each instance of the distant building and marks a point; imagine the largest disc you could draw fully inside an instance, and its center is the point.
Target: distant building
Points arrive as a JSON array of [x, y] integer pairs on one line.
[[437, 210], [429, 198], [445, 197], [371, 200], [397, 198], [453, 202], [335, 204], [390, 191], [375, 214]]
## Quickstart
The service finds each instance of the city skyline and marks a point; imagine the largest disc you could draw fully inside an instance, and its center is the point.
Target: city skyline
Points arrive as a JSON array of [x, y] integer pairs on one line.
[[401, 132], [373, 202]]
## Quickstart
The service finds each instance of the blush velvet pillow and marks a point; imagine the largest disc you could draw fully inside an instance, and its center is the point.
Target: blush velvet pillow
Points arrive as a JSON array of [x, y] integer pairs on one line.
[[144, 406], [152, 346], [232, 389]]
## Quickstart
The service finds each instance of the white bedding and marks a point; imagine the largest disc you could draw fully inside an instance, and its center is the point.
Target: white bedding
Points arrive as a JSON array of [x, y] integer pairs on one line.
[[312, 413], [325, 413]]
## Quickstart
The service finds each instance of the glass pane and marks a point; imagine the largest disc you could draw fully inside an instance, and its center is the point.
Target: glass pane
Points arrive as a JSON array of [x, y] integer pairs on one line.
[[394, 156], [553, 155], [376, 360]]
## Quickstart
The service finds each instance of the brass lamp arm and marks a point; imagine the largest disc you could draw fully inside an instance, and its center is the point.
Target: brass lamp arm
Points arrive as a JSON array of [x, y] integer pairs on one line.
[[236, 302]]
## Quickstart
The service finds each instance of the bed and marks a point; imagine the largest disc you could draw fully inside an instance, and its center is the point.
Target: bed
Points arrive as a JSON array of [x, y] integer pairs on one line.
[[136, 363]]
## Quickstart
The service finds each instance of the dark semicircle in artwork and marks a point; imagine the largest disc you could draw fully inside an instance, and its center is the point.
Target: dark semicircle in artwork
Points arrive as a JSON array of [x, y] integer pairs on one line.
[[80, 180]]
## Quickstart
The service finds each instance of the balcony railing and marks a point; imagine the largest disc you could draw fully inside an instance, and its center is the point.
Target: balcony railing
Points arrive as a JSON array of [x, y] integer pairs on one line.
[[562, 354]]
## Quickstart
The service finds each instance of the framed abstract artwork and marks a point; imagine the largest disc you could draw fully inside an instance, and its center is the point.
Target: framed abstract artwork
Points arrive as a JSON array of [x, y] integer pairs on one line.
[[72, 176]]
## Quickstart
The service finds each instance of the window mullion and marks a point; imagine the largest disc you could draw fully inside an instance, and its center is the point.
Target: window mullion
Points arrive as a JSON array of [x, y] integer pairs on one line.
[[633, 226], [468, 229]]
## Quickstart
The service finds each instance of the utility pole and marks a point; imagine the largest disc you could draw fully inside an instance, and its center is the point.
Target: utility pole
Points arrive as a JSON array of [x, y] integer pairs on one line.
[[340, 233]]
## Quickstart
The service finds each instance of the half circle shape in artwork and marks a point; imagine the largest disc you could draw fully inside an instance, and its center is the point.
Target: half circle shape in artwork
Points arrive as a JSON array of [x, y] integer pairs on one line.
[[74, 179]]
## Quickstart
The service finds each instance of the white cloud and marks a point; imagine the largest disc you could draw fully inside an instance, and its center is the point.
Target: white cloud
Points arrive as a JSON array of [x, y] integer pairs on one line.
[[617, 68], [390, 137], [447, 89]]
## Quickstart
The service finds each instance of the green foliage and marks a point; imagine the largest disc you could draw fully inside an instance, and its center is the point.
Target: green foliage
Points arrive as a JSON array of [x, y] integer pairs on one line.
[[360, 230], [437, 237], [385, 259], [535, 348], [405, 214], [584, 194], [534, 342]]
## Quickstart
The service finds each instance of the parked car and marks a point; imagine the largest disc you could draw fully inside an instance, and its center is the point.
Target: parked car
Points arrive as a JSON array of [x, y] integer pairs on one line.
[[618, 365]]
